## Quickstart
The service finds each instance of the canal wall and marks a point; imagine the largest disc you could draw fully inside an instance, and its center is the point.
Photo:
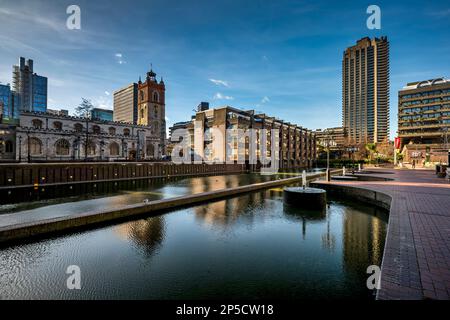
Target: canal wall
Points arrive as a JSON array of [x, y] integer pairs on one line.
[[39, 174], [61, 224]]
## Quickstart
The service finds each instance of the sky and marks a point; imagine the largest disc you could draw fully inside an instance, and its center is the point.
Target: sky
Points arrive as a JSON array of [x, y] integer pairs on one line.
[[283, 58]]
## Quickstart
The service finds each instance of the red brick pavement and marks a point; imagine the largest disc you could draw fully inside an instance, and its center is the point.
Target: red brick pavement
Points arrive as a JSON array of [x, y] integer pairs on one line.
[[416, 262]]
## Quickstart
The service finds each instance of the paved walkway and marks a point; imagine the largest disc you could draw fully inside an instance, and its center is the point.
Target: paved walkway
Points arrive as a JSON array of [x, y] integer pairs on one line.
[[416, 263]]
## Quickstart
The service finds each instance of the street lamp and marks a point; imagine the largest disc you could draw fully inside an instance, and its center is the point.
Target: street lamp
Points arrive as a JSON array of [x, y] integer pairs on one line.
[[20, 148], [28, 147]]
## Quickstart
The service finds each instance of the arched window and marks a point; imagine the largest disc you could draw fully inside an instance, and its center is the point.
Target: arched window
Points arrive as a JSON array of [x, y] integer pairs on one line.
[[141, 93], [62, 147], [35, 146], [113, 149], [126, 132], [112, 131], [37, 124], [78, 127], [96, 129], [9, 147], [91, 149], [155, 111], [57, 125], [155, 96]]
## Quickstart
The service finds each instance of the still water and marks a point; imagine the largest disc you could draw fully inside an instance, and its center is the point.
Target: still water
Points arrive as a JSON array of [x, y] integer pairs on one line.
[[250, 246]]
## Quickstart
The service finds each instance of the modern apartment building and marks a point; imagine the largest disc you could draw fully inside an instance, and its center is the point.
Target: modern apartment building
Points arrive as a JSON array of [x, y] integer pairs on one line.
[[424, 119], [30, 87], [337, 135], [125, 104], [211, 129], [365, 90]]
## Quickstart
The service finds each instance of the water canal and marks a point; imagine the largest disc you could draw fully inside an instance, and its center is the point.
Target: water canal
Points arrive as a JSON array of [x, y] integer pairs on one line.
[[250, 246]]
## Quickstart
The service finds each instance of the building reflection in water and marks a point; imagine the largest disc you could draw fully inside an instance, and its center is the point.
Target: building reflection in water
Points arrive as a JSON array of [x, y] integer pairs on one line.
[[363, 239], [148, 233], [225, 212]]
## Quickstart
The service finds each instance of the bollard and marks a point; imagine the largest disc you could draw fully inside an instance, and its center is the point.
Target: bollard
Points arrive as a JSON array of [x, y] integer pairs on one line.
[[328, 175], [359, 166], [343, 171]]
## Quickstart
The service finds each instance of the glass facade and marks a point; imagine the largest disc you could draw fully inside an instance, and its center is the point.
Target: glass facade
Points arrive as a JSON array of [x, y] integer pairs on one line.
[[102, 114], [5, 101], [39, 93]]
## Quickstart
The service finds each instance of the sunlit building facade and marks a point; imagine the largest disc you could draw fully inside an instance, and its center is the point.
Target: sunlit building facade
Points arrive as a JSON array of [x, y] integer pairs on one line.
[[365, 91]]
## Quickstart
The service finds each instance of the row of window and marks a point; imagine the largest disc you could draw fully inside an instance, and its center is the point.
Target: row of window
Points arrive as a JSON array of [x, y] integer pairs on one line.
[[425, 94], [78, 127], [62, 148]]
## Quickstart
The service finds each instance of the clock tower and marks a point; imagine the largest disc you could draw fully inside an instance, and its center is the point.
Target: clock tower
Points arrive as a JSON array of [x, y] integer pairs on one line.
[[152, 112]]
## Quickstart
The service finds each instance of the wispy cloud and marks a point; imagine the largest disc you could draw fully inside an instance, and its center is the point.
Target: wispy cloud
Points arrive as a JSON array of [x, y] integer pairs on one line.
[[265, 99], [56, 25], [219, 96], [107, 93], [441, 13], [219, 82], [119, 58]]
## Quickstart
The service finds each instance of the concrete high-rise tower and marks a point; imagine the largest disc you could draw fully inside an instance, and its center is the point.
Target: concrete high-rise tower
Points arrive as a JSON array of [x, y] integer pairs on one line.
[[365, 91]]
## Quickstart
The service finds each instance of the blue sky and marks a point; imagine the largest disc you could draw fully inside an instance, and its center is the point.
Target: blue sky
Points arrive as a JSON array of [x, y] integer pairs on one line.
[[278, 57]]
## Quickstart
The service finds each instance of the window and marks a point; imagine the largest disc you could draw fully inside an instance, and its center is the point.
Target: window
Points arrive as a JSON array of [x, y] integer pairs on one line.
[[141, 93], [62, 147], [91, 149], [113, 149], [78, 127], [37, 124], [126, 132], [57, 125], [155, 111], [35, 146], [155, 96], [9, 148], [96, 129], [112, 131]]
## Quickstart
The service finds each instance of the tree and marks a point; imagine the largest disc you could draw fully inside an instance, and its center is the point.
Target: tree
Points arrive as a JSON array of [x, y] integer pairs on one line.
[[372, 148], [84, 109]]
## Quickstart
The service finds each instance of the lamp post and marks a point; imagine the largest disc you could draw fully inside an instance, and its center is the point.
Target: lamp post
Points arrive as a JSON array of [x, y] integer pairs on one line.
[[20, 148], [28, 147]]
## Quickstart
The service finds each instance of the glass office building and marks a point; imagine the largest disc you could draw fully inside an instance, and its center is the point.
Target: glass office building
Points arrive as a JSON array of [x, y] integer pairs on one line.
[[5, 101], [102, 114], [39, 93], [30, 88]]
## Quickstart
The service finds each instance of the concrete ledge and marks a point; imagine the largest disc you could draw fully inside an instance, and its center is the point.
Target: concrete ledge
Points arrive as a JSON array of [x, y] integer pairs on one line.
[[28, 230], [376, 198]]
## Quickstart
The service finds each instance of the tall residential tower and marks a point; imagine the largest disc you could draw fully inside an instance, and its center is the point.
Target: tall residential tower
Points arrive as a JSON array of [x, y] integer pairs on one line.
[[365, 91]]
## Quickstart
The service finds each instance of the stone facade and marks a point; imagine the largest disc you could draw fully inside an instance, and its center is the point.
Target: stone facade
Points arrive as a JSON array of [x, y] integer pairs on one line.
[[51, 137], [152, 107]]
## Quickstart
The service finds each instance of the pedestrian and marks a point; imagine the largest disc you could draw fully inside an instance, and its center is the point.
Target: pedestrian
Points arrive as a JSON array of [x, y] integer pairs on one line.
[[414, 164]]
